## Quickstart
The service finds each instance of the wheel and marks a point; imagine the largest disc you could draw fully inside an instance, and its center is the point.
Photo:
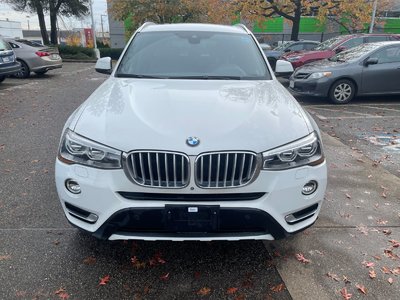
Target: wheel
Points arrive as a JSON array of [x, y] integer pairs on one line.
[[342, 91], [2, 78], [25, 72], [41, 72]]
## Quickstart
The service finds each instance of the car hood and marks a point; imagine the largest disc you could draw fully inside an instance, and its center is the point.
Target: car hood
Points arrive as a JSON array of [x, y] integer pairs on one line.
[[313, 54], [130, 114], [322, 65]]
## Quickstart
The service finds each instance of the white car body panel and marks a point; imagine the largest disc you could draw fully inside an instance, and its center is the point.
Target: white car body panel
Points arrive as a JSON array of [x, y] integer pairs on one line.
[[225, 115]]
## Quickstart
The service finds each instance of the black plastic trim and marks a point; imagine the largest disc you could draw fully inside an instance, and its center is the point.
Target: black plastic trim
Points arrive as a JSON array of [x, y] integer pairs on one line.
[[191, 197]]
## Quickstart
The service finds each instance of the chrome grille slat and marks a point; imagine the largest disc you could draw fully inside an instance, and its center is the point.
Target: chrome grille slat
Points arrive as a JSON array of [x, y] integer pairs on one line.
[[160, 169], [225, 169]]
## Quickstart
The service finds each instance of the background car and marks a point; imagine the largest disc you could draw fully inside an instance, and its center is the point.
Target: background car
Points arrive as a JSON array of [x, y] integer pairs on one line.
[[368, 69], [335, 45], [34, 57], [8, 64], [286, 47]]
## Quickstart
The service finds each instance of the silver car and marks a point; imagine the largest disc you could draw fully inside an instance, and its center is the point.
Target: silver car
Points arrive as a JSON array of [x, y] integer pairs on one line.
[[8, 65], [369, 69], [34, 57]]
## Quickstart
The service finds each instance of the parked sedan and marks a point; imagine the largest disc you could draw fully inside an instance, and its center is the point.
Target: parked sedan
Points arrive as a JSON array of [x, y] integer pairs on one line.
[[288, 47], [34, 57], [8, 64], [368, 69], [336, 45]]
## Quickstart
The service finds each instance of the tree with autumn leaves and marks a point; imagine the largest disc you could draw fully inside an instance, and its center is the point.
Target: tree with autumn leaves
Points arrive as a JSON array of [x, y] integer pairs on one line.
[[352, 15]]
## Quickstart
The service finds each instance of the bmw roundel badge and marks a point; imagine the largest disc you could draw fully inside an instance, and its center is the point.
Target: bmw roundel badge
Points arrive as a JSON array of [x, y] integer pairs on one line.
[[192, 141]]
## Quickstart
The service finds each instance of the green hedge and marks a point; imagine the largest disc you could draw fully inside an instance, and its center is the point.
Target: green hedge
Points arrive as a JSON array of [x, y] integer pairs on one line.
[[114, 53], [76, 52], [82, 53]]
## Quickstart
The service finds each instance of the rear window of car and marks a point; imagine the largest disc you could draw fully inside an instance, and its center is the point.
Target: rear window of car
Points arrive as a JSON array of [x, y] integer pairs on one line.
[[30, 43], [193, 55], [4, 45]]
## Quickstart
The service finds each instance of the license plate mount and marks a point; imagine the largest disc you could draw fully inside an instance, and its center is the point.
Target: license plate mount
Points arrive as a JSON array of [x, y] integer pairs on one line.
[[192, 218]]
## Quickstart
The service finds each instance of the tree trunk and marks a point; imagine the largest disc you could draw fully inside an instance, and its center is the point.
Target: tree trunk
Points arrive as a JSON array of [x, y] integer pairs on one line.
[[53, 28], [53, 22], [296, 22], [42, 24]]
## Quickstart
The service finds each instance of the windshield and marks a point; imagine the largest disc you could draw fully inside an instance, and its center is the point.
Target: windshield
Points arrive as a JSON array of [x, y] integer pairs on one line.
[[354, 53], [283, 46], [329, 44], [4, 45], [193, 55]]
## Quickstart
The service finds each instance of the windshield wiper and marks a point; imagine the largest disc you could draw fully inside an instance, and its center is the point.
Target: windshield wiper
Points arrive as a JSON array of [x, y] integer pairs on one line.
[[140, 76], [207, 77]]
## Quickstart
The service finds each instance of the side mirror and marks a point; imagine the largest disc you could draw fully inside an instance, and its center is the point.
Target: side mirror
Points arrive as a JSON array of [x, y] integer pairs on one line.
[[371, 61], [104, 65], [283, 67], [340, 49]]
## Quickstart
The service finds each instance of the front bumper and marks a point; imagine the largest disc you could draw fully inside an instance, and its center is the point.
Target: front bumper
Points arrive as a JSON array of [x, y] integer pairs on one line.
[[124, 210], [10, 69], [310, 87]]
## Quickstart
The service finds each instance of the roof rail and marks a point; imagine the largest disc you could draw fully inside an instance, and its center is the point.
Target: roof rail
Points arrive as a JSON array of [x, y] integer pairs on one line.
[[146, 24], [243, 27]]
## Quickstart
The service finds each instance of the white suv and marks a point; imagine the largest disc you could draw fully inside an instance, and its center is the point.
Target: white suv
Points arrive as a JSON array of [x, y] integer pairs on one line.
[[191, 138]]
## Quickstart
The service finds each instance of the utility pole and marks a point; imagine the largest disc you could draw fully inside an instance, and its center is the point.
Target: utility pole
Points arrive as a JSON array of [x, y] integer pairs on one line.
[[371, 27], [93, 30], [29, 26], [102, 28]]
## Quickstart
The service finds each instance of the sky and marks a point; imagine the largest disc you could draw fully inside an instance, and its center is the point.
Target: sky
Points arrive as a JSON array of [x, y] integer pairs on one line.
[[99, 8]]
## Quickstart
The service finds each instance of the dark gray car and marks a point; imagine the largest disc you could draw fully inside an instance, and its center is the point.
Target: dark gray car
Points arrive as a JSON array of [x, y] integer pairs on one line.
[[369, 69]]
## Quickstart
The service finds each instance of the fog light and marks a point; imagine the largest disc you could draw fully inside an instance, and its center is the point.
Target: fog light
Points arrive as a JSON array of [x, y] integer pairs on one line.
[[72, 186], [309, 188]]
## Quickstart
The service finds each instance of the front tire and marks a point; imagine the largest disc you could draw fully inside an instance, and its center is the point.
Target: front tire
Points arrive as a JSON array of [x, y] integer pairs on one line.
[[24, 72], [342, 91], [2, 78]]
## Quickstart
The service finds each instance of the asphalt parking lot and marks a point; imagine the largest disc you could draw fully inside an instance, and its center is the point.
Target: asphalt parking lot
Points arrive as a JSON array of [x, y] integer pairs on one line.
[[353, 248]]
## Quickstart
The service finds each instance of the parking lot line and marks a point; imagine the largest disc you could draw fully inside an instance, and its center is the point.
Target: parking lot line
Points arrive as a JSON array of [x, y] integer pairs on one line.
[[382, 108], [346, 112]]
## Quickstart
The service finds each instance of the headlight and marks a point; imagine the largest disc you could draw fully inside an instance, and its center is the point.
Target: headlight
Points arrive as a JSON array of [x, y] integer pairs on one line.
[[318, 75], [306, 151], [75, 149], [293, 58]]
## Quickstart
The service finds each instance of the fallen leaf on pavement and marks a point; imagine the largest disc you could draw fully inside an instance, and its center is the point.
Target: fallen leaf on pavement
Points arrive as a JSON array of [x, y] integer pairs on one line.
[[204, 291], [395, 244], [333, 276], [372, 274], [396, 271], [346, 280], [278, 288], [5, 257], [345, 294], [348, 196], [384, 195], [59, 291], [368, 264], [91, 260], [361, 288], [231, 291], [104, 280], [300, 257], [390, 280], [164, 277], [387, 231], [377, 257]]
